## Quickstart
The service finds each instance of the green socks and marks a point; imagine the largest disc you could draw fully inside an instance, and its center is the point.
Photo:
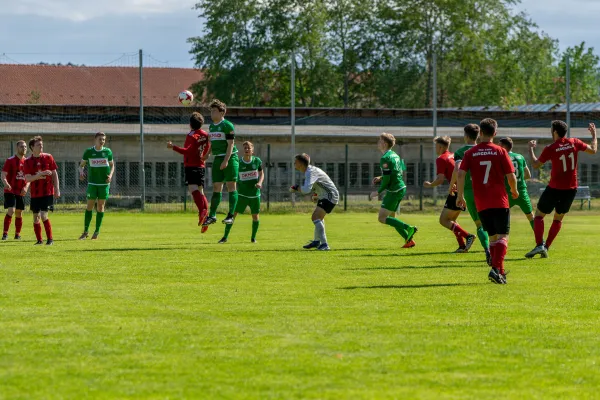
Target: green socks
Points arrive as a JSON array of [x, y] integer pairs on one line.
[[214, 203], [99, 217], [88, 220], [227, 230], [531, 223], [483, 237], [254, 229], [233, 199], [400, 226]]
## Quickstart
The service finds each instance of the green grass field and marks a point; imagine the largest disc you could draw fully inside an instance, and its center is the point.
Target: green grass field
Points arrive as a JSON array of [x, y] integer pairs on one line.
[[155, 310]]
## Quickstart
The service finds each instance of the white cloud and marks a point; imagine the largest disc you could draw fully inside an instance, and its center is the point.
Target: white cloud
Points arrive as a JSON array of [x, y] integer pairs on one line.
[[83, 10]]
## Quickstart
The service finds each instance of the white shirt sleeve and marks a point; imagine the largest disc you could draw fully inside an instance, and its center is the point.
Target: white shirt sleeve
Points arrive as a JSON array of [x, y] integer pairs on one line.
[[310, 177]]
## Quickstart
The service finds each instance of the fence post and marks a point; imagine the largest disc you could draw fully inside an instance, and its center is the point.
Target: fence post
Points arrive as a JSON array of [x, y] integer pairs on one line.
[[420, 182], [293, 118], [268, 176], [434, 118], [12, 149], [346, 181], [142, 158], [568, 90], [184, 198]]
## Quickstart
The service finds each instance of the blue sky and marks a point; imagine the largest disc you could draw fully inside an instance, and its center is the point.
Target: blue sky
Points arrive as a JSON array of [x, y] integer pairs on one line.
[[99, 32]]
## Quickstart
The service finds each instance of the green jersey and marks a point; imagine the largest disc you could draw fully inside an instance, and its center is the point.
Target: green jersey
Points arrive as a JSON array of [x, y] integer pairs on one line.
[[219, 134], [391, 168], [98, 165], [458, 156], [520, 165], [249, 175]]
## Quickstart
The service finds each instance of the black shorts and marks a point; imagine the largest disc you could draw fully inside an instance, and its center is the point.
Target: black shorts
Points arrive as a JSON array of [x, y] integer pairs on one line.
[[194, 176], [495, 221], [326, 205], [451, 203], [14, 200], [45, 203], [556, 199]]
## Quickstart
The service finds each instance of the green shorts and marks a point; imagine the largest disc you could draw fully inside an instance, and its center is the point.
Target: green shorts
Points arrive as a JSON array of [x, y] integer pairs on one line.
[[243, 202], [522, 201], [391, 200], [97, 192], [229, 174], [470, 200]]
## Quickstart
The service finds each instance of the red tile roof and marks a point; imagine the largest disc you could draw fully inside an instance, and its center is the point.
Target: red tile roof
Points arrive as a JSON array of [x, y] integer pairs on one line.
[[66, 85]]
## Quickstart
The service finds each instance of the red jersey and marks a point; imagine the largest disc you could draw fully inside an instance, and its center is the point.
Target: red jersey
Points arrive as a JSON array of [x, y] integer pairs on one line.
[[444, 164], [197, 145], [14, 174], [41, 187], [563, 155], [488, 164]]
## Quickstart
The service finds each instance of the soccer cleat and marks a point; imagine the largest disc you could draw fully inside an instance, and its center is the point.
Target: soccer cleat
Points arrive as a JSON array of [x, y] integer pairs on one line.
[[488, 257], [252, 240], [202, 218], [312, 245], [38, 243], [84, 236], [204, 229], [4, 236], [323, 247], [209, 221], [496, 277], [17, 237], [411, 243], [95, 235], [412, 230], [223, 240], [541, 250], [228, 219], [460, 250], [49, 242], [469, 242]]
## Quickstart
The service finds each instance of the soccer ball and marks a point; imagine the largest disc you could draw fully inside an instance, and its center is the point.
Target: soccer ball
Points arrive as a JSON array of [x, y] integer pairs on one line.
[[186, 97]]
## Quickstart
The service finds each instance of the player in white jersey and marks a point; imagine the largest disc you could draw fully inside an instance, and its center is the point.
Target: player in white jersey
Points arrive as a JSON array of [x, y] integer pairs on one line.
[[317, 181]]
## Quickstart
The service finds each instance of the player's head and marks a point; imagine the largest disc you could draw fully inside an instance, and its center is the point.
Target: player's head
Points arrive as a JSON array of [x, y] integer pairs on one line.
[[386, 141], [559, 128], [196, 121], [21, 148], [248, 148], [506, 143], [99, 139], [488, 127], [471, 133], [36, 145], [301, 162], [442, 143], [217, 110]]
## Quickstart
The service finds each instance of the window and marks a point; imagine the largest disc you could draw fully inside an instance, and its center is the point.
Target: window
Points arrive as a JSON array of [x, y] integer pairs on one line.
[[173, 176], [410, 174], [148, 173], [134, 173], [282, 174], [319, 165], [365, 174], [120, 168], [583, 174], [353, 174], [71, 174], [422, 173], [341, 174], [594, 179], [160, 169], [377, 169], [330, 169]]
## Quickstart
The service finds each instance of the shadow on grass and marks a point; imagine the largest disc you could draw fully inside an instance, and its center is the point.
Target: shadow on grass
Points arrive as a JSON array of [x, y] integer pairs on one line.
[[408, 267], [104, 250], [430, 285], [403, 253]]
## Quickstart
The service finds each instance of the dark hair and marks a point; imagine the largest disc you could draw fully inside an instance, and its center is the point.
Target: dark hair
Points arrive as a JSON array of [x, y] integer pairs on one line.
[[507, 143], [488, 126], [560, 128], [99, 134], [303, 158], [196, 121], [443, 140], [472, 131], [218, 104], [21, 141], [33, 141]]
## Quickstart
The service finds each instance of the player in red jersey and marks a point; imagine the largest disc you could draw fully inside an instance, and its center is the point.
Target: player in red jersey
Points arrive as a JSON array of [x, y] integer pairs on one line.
[[15, 188], [561, 190], [489, 165], [195, 150], [40, 170], [445, 167]]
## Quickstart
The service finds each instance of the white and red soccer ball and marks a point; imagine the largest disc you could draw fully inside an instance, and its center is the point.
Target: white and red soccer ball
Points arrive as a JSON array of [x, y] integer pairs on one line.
[[186, 98]]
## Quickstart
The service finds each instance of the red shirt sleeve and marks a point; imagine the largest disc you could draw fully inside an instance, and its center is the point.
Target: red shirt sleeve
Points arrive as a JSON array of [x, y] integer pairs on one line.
[[545, 156], [465, 164], [180, 150], [206, 143], [507, 165], [580, 145], [440, 166], [6, 167]]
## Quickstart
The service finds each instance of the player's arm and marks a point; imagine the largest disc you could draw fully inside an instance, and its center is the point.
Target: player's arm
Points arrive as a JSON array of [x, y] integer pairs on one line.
[[535, 162], [593, 147], [177, 149], [230, 137], [38, 175], [111, 163], [5, 181], [439, 179], [527, 173], [25, 189], [82, 165], [206, 149], [460, 183], [55, 183], [261, 177]]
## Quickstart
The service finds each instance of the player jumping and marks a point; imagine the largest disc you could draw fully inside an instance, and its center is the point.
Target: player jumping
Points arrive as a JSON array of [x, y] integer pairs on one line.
[[561, 190], [101, 168], [489, 165], [391, 181], [15, 188], [445, 168], [251, 178], [315, 180], [195, 150], [225, 164], [40, 171]]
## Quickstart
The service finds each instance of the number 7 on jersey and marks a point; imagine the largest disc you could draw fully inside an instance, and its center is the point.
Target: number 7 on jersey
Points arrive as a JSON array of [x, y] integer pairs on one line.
[[488, 166]]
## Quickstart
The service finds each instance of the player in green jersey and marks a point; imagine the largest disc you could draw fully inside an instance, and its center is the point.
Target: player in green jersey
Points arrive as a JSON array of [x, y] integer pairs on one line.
[[251, 177], [226, 163], [471, 134], [523, 174], [391, 182], [99, 160]]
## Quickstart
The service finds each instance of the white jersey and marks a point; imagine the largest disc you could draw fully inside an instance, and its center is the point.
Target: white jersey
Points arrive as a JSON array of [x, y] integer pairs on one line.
[[315, 180]]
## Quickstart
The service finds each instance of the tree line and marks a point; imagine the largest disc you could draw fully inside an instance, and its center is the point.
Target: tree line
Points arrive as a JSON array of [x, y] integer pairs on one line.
[[380, 53]]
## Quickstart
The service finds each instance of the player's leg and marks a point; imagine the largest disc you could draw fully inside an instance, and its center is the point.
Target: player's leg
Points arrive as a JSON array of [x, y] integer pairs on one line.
[[231, 176], [448, 218], [545, 206], [10, 204], [255, 210], [496, 222], [48, 203], [194, 177], [389, 205], [100, 207], [19, 217], [563, 206], [482, 235], [524, 204], [318, 219], [37, 227], [218, 177], [91, 195], [239, 209]]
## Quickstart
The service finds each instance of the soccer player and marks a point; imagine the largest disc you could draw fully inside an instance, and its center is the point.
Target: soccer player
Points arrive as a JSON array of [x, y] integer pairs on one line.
[[101, 169], [15, 188], [561, 190], [226, 162], [471, 134], [489, 165], [522, 173], [251, 178], [195, 150], [40, 171], [445, 168], [315, 180], [391, 182]]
